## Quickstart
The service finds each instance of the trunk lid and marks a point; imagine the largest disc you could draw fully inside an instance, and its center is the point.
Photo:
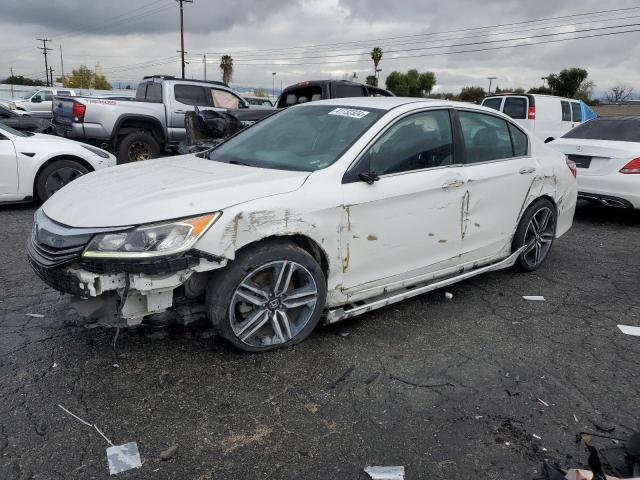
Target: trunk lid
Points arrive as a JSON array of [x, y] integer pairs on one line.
[[597, 157]]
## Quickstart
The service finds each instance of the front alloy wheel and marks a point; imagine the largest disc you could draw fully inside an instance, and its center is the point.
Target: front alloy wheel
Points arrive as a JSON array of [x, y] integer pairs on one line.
[[271, 296], [273, 303]]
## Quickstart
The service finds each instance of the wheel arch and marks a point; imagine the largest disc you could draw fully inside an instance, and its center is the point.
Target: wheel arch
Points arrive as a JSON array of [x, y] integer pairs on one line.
[[49, 161], [129, 123]]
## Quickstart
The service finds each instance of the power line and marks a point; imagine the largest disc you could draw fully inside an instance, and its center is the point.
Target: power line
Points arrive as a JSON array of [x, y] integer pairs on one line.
[[429, 34]]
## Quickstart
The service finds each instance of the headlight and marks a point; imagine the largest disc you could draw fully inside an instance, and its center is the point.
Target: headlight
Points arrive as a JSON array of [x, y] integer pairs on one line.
[[98, 151], [151, 240]]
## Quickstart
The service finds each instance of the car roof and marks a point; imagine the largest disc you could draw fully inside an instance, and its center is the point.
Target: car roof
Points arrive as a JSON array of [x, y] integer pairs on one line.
[[388, 103]]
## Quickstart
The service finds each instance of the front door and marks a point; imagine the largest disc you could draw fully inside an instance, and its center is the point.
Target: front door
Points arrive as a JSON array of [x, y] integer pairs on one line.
[[8, 168], [407, 222], [185, 98], [500, 172]]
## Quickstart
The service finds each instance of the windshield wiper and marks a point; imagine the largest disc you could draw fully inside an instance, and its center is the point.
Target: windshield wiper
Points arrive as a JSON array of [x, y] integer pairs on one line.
[[238, 162]]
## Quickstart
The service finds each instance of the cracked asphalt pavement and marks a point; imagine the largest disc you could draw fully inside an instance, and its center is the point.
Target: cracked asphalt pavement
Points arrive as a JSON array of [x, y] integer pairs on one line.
[[449, 389]]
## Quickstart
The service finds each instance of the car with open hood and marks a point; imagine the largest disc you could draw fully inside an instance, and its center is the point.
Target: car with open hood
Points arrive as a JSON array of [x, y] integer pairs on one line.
[[320, 212]]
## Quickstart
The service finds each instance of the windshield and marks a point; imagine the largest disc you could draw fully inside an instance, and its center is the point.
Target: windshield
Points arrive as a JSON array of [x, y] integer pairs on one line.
[[621, 129], [28, 95], [4, 128], [303, 138]]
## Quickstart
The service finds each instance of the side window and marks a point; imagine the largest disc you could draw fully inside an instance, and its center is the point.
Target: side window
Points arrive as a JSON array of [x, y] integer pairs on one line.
[[64, 92], [566, 111], [345, 91], [154, 92], [515, 107], [492, 103], [190, 95], [576, 112], [224, 99], [485, 137], [46, 95], [421, 140], [519, 140]]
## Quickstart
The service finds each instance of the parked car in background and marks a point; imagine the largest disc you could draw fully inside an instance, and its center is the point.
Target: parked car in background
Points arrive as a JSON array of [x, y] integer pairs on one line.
[[324, 210], [258, 102], [39, 99], [143, 127], [23, 121], [314, 90], [606, 151], [547, 116], [35, 166]]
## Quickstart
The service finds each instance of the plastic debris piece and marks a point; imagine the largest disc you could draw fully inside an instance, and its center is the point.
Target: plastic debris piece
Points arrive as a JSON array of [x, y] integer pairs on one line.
[[543, 402], [385, 473], [575, 418], [123, 457], [537, 437], [55, 365], [534, 298], [448, 295], [36, 315], [629, 330], [169, 452], [344, 334]]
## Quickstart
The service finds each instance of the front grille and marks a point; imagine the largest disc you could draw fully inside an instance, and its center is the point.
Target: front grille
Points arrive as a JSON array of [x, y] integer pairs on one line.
[[48, 256]]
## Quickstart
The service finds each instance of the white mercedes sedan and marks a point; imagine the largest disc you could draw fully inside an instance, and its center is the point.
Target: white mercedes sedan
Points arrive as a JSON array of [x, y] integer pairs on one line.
[[606, 151], [320, 212], [33, 166]]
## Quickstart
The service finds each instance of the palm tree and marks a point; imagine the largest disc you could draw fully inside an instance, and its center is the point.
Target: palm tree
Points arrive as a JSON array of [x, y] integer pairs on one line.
[[376, 56], [226, 67]]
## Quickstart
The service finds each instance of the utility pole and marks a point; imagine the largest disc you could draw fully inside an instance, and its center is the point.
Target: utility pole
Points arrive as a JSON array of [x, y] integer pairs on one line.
[[182, 52], [491, 79], [205, 66], [61, 62], [51, 72], [544, 80], [45, 49], [273, 83], [12, 83]]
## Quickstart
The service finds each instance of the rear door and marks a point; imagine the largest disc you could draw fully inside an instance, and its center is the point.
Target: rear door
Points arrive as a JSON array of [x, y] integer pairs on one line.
[[45, 105], [567, 121], [185, 97], [500, 171], [518, 109], [8, 167]]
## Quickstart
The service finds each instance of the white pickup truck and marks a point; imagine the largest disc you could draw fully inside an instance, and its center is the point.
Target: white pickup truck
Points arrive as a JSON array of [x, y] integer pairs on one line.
[[152, 122], [39, 100]]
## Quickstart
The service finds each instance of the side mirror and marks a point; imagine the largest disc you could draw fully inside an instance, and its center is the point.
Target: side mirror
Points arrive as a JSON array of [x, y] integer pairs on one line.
[[369, 177], [36, 99]]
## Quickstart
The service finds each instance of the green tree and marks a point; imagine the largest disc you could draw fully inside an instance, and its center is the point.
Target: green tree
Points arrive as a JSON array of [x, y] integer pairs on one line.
[[411, 84], [540, 90], [226, 67], [22, 80], [472, 94], [567, 82], [372, 80], [84, 77]]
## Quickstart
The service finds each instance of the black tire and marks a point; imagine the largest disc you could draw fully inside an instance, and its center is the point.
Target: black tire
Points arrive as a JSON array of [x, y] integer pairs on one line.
[[221, 292], [138, 146], [526, 234], [56, 175]]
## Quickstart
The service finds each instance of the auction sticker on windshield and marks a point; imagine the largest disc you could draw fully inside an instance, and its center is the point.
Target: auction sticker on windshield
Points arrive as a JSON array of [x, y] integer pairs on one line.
[[349, 112]]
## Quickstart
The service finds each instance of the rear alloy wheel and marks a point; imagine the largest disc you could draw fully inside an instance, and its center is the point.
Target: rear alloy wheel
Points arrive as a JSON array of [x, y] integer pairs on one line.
[[138, 146], [267, 298], [56, 175], [536, 233]]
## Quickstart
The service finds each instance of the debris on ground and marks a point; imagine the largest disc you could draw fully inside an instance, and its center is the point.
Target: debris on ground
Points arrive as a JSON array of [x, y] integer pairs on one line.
[[169, 453], [534, 298], [629, 330], [344, 334], [35, 315], [120, 457], [385, 473], [543, 402], [448, 295], [342, 377], [421, 385]]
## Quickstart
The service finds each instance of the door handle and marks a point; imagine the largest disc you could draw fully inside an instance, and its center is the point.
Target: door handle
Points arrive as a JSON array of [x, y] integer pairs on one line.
[[179, 111], [525, 170], [452, 184]]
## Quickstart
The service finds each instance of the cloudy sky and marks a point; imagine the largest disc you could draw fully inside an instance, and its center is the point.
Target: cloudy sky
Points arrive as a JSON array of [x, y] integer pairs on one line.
[[310, 39]]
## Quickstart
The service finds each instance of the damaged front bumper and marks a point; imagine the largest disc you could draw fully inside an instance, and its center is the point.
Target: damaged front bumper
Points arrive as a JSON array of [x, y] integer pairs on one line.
[[120, 294]]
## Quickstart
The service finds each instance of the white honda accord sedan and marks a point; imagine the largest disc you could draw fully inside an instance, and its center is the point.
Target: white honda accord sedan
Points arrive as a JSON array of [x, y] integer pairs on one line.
[[35, 165], [322, 211]]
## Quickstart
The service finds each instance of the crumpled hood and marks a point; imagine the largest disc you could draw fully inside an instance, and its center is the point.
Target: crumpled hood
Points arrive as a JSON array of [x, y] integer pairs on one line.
[[163, 189]]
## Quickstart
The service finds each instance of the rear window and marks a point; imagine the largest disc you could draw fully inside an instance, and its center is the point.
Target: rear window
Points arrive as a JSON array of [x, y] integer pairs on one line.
[[300, 95], [345, 91], [64, 92], [191, 95], [492, 103], [515, 107], [566, 111], [617, 129], [149, 91], [576, 112]]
